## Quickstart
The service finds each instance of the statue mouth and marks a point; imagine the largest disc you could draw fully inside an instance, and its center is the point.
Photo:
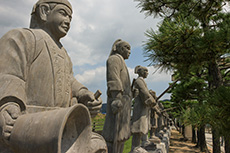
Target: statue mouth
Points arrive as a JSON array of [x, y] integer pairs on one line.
[[65, 28]]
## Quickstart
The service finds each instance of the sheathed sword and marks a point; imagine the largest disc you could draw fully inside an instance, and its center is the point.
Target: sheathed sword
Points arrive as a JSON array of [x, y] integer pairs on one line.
[[166, 90], [116, 129]]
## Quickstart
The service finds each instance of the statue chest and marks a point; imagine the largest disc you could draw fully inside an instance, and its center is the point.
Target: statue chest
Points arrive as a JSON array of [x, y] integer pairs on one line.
[[49, 78]]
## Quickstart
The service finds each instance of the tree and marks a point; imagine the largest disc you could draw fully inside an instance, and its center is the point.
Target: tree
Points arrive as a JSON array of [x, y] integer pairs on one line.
[[190, 95], [193, 36]]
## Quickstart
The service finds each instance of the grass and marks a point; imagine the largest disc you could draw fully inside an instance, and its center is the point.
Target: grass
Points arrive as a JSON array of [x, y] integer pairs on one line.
[[128, 144], [99, 122], [100, 118]]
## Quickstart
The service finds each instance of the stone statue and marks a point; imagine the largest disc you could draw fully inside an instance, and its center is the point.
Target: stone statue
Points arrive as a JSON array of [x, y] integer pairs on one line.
[[43, 108], [153, 119], [117, 123], [141, 111]]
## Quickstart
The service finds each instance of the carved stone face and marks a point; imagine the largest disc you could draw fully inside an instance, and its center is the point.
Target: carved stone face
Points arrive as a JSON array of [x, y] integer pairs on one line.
[[144, 73], [58, 21], [125, 50]]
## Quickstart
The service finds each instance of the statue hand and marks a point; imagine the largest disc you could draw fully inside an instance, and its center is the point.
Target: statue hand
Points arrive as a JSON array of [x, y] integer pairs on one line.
[[150, 102], [85, 96], [94, 106], [88, 99], [8, 115], [154, 103], [116, 106], [135, 92], [156, 109]]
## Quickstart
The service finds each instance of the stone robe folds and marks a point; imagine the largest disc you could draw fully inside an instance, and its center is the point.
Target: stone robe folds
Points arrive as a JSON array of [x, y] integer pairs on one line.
[[118, 80], [35, 72], [141, 111]]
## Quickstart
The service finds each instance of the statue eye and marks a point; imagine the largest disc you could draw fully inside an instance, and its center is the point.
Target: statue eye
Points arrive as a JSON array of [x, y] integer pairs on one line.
[[63, 13], [127, 47]]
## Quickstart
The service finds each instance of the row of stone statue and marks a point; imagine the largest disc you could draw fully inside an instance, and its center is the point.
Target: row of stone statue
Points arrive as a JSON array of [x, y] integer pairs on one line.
[[117, 128], [44, 109]]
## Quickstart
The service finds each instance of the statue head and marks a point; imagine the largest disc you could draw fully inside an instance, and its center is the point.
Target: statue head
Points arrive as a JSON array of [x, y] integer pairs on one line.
[[141, 71], [53, 16], [121, 47]]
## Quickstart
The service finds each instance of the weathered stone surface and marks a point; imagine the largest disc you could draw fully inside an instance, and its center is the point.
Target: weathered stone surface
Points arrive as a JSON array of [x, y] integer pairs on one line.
[[141, 111], [42, 105], [117, 123], [188, 132], [142, 103], [139, 150], [161, 147], [154, 139], [32, 130]]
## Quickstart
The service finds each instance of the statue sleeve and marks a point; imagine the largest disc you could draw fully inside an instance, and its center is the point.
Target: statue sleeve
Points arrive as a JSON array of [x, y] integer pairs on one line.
[[76, 86], [113, 66], [16, 46], [143, 91]]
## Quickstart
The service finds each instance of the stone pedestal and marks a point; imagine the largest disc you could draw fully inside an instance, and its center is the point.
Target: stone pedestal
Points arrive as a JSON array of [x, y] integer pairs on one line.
[[188, 132], [154, 126]]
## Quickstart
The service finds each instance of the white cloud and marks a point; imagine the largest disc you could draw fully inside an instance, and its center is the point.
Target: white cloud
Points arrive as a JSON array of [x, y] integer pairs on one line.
[[96, 79], [158, 76], [99, 74], [91, 77], [14, 14], [154, 76], [95, 26]]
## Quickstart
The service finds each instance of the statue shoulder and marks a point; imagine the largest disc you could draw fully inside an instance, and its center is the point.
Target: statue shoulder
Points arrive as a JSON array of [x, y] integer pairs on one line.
[[18, 40], [30, 42], [115, 59], [140, 80], [19, 33], [38, 34]]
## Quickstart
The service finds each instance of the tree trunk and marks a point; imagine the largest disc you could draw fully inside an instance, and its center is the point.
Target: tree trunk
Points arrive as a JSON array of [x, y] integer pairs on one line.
[[215, 78], [227, 145], [182, 132], [215, 81], [193, 134], [198, 138], [215, 141], [203, 146], [176, 125]]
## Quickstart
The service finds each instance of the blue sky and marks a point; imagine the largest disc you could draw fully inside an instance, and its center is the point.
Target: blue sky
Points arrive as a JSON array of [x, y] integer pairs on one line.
[[96, 24]]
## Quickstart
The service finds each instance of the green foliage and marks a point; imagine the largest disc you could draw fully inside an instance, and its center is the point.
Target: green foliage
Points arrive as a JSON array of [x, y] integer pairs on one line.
[[189, 88], [202, 9], [183, 44], [197, 115], [191, 40], [173, 109], [174, 45], [219, 110], [192, 35], [167, 104]]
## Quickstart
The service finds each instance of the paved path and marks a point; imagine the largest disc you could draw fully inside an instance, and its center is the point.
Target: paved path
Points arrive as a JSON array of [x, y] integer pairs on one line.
[[179, 146], [208, 137]]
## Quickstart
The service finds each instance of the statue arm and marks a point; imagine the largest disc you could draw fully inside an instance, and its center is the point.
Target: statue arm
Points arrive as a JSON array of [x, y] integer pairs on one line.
[[146, 97], [114, 85], [16, 49], [77, 88], [16, 46], [86, 97], [113, 67]]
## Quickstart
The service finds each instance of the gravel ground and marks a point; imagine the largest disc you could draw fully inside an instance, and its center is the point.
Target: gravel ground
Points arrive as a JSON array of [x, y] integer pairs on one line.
[[179, 146]]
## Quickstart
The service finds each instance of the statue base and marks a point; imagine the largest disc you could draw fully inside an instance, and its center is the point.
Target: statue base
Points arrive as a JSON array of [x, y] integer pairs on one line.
[[155, 139]]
